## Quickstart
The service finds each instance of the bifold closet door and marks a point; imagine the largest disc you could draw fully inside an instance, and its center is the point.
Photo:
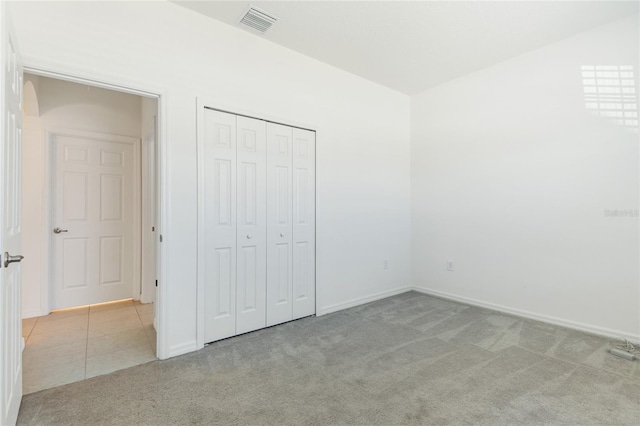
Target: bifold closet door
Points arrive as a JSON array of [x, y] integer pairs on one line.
[[290, 223], [259, 224], [219, 225], [251, 275], [279, 226], [304, 223], [235, 260]]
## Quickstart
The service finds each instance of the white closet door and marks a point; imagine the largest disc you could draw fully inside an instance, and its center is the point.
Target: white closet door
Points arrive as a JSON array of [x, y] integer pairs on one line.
[[220, 225], [304, 223], [252, 227], [279, 227]]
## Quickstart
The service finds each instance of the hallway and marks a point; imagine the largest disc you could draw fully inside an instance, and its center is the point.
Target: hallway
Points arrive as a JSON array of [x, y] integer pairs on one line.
[[70, 345]]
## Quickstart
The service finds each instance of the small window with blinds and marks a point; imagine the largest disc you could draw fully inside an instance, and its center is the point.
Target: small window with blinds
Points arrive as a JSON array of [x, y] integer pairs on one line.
[[610, 92]]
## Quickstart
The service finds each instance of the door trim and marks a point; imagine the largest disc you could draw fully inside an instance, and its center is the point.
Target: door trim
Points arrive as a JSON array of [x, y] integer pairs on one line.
[[201, 104], [148, 213], [48, 191], [65, 72]]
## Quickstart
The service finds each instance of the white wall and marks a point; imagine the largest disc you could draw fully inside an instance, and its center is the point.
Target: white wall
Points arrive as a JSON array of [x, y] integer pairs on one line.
[[363, 135], [32, 208], [511, 177], [64, 105]]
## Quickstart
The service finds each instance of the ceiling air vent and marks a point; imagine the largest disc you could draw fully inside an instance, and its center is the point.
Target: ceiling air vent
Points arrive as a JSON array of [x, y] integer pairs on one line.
[[257, 19]]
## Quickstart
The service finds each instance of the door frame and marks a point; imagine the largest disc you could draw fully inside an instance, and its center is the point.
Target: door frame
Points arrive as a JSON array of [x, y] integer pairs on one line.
[[201, 104], [149, 193], [48, 196], [110, 82]]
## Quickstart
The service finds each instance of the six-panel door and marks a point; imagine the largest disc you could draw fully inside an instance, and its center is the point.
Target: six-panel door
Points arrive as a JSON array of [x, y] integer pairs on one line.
[[219, 225], [252, 225], [94, 210], [11, 342], [304, 223], [279, 227]]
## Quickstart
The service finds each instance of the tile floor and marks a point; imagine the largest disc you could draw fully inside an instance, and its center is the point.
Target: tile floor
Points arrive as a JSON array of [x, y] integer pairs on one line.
[[76, 344]]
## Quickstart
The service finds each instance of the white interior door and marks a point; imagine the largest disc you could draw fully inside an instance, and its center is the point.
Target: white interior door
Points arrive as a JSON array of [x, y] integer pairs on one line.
[[93, 218], [219, 233], [251, 278], [11, 342], [304, 223], [279, 226]]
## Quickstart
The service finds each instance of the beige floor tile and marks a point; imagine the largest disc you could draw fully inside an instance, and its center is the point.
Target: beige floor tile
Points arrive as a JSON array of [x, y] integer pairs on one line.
[[147, 319], [106, 337], [118, 360], [27, 326], [111, 306], [152, 337], [122, 321], [61, 354], [113, 327], [116, 314], [40, 377], [114, 342], [149, 328], [41, 341], [145, 309], [61, 326], [66, 313]]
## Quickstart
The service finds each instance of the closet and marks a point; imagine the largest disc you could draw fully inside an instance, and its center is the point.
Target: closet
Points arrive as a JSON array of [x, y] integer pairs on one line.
[[258, 224]]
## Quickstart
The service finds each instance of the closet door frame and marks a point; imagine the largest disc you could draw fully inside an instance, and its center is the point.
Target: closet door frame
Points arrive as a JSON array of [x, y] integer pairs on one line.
[[201, 104]]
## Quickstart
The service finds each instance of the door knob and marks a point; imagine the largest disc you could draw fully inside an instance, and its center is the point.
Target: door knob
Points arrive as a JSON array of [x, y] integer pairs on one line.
[[57, 230], [11, 259], [248, 236], [281, 234]]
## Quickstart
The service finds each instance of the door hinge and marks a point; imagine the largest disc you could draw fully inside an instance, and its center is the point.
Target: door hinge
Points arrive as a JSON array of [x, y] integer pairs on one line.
[[153, 229], [160, 237], [156, 283]]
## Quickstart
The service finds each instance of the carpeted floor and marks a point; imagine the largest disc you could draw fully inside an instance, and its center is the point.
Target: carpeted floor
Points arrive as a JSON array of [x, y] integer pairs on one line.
[[408, 359]]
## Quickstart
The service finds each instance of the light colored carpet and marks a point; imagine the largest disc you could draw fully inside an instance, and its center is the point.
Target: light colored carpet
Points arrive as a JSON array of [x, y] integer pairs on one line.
[[408, 359]]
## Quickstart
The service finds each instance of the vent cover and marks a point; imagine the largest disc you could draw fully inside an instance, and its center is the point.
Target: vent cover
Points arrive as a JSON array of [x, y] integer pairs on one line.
[[257, 19]]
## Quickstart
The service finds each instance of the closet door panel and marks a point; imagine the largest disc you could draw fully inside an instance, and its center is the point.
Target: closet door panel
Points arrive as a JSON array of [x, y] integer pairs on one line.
[[220, 225], [252, 226], [304, 224], [279, 224]]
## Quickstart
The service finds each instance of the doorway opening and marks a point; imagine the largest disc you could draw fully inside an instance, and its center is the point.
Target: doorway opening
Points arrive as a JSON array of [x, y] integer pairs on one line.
[[90, 227]]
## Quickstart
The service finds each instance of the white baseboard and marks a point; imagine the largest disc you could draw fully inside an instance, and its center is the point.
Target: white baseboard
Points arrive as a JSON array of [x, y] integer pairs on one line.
[[33, 313], [361, 300], [588, 328], [183, 348]]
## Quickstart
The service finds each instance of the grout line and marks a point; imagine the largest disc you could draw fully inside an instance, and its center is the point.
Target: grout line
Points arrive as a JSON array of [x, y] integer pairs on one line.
[[90, 320], [30, 332], [146, 335]]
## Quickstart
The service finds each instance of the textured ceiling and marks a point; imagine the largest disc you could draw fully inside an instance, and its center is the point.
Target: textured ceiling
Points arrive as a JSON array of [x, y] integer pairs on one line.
[[412, 46]]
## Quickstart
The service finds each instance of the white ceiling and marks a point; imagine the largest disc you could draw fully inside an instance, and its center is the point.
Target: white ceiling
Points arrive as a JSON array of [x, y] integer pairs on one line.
[[411, 46]]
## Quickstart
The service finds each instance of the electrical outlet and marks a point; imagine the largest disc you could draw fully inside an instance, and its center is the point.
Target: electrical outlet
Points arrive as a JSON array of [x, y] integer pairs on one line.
[[386, 264], [450, 265]]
